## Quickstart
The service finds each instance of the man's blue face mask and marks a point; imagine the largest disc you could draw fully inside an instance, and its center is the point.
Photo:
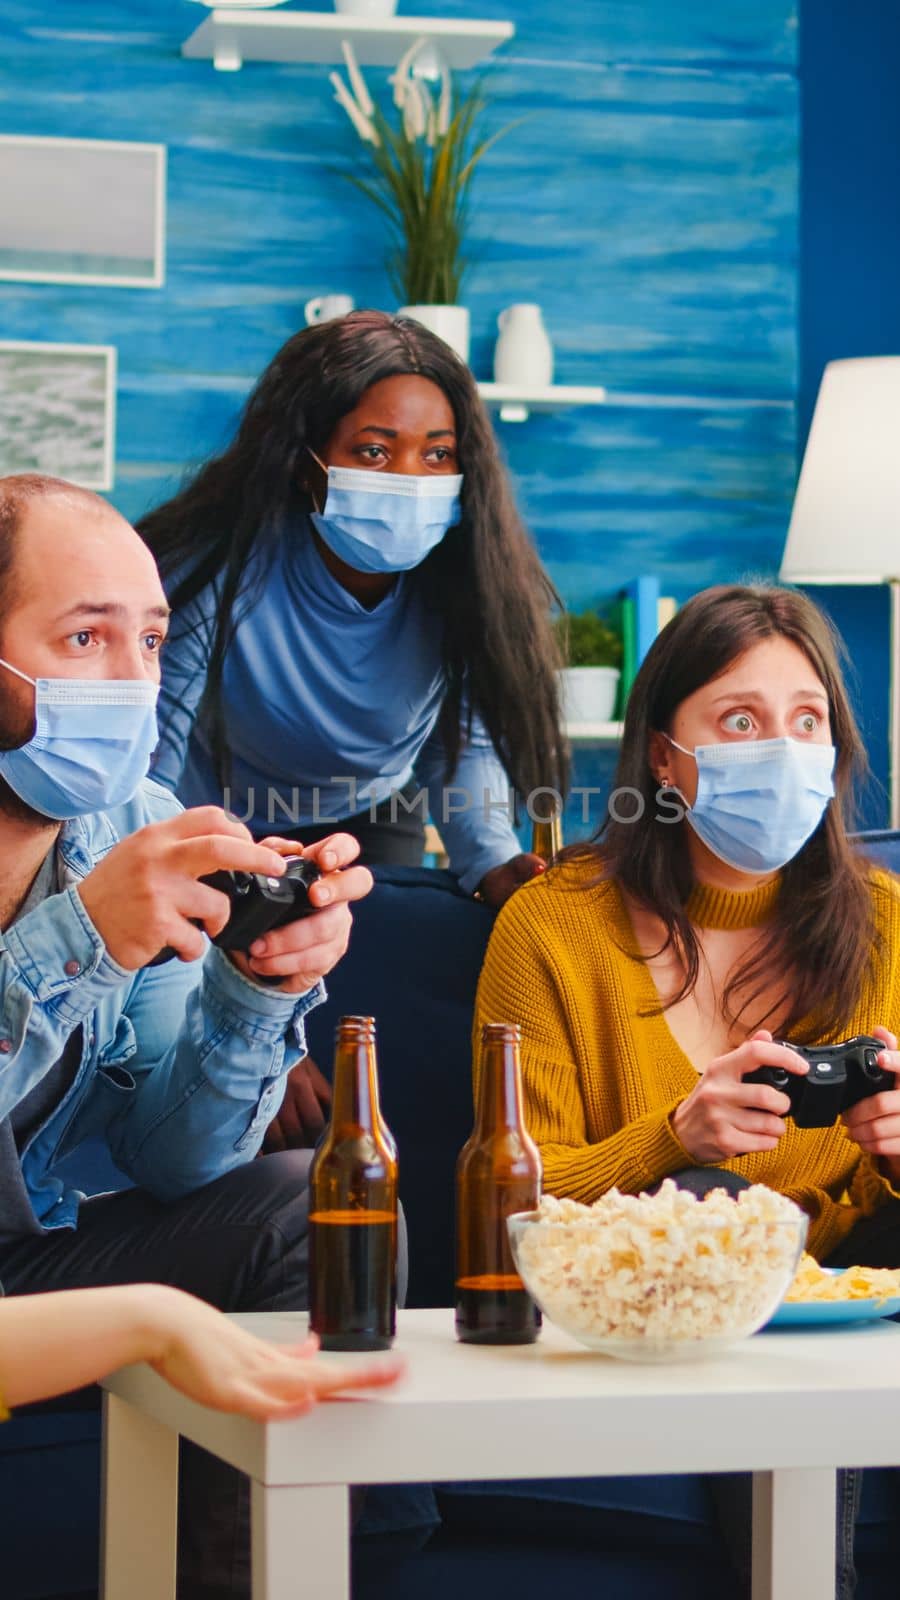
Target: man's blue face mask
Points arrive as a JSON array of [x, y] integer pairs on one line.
[[386, 521], [91, 746], [758, 801]]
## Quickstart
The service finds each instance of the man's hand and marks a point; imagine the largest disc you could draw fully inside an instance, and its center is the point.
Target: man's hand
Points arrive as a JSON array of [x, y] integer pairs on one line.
[[875, 1124], [304, 1110], [497, 885], [302, 952], [144, 894]]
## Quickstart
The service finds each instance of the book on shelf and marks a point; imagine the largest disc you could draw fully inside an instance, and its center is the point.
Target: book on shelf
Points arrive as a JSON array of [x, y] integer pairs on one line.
[[643, 613], [627, 627], [666, 607], [644, 591]]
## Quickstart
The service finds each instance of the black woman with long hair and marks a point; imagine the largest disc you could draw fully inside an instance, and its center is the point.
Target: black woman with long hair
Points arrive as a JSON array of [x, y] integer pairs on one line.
[[358, 608], [361, 624]]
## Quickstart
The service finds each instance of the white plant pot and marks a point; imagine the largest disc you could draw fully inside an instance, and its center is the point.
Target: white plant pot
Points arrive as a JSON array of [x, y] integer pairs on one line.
[[450, 323], [366, 8], [589, 693]]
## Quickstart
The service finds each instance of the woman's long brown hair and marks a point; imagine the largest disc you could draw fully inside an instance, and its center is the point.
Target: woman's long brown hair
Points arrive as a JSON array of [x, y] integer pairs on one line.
[[823, 935]]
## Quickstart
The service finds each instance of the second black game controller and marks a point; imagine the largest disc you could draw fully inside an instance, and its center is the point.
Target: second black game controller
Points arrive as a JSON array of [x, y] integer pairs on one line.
[[839, 1076]]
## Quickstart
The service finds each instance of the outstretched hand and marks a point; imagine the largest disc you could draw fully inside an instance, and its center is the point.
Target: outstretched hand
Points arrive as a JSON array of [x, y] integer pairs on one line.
[[222, 1365]]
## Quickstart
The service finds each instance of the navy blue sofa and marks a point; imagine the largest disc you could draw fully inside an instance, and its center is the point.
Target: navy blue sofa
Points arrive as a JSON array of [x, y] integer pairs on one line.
[[414, 961]]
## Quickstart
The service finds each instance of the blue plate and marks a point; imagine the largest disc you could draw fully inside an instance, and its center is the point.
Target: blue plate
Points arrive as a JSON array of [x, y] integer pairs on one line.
[[825, 1313]]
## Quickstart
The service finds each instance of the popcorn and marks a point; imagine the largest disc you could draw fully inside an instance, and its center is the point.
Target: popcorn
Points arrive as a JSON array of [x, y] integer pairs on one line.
[[664, 1267]]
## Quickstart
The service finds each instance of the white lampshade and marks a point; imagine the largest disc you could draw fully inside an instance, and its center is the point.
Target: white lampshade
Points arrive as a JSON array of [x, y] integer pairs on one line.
[[845, 526]]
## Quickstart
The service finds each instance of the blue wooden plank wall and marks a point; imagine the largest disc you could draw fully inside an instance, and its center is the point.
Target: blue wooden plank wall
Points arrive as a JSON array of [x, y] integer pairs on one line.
[[649, 203]]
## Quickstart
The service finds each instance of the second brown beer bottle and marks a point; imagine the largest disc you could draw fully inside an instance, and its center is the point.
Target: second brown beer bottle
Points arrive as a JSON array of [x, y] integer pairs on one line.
[[353, 1206], [498, 1172], [547, 835]]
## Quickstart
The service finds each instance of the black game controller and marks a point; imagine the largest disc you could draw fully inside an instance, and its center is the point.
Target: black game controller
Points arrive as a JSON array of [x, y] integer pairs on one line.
[[259, 904], [839, 1076]]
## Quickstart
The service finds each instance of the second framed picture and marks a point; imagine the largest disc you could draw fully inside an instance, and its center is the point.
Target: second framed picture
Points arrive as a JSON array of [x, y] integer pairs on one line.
[[86, 211], [58, 411]]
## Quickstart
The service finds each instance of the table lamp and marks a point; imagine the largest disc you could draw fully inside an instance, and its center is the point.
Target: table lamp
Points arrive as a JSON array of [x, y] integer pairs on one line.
[[845, 525]]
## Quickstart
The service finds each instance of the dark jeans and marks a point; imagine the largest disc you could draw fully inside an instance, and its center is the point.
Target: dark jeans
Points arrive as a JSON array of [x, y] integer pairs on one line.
[[873, 1242], [239, 1243], [394, 837]]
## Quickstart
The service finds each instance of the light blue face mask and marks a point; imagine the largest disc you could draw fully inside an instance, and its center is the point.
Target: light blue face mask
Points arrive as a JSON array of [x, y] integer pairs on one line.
[[759, 801], [91, 745], [386, 521]]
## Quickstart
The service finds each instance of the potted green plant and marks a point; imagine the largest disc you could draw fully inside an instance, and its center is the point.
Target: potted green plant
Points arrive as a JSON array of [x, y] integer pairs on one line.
[[420, 178], [592, 649]]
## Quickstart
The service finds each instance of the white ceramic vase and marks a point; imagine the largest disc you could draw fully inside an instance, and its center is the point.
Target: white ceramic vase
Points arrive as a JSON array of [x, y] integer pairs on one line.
[[589, 693], [450, 323], [523, 354], [326, 307], [366, 8]]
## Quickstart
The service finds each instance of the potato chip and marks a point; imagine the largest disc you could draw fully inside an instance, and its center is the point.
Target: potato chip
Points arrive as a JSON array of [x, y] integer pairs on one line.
[[812, 1282]]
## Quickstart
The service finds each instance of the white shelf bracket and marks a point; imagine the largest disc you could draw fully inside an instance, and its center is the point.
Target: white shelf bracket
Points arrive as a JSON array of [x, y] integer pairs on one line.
[[514, 413], [226, 55]]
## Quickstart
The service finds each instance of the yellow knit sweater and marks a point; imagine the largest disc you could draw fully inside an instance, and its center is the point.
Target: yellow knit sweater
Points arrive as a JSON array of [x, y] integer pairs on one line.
[[601, 1081]]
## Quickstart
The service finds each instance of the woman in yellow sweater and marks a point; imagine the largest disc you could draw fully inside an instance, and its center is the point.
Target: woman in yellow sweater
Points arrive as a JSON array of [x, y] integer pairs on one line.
[[722, 904], [721, 907]]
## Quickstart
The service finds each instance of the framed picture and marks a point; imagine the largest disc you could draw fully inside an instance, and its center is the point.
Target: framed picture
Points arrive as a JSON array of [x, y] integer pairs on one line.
[[58, 411], [82, 211]]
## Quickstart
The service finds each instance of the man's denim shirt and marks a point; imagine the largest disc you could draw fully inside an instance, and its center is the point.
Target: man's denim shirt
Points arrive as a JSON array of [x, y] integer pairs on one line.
[[183, 1065]]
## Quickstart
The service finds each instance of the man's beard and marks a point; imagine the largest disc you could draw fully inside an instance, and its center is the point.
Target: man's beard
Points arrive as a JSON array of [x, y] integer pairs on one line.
[[16, 728], [18, 810]]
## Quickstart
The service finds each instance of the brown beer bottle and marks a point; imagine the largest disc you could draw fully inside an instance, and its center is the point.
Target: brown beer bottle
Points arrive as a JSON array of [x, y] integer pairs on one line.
[[353, 1205], [498, 1172], [546, 835]]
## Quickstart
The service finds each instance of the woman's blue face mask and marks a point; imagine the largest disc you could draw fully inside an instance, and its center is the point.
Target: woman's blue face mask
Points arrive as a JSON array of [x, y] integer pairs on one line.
[[758, 801], [386, 522]]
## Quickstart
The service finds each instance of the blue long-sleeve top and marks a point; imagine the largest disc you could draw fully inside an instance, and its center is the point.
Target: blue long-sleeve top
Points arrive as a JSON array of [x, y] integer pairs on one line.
[[329, 707]]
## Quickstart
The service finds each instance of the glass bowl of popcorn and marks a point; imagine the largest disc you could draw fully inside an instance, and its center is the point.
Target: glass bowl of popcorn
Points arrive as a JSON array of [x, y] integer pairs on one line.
[[660, 1277]]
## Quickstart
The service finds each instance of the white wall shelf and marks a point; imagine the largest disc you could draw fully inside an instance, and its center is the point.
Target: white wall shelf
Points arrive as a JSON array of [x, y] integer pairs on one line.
[[516, 404], [228, 37], [594, 732]]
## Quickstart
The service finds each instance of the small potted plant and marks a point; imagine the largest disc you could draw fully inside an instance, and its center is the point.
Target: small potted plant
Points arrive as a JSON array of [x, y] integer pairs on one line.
[[592, 650], [420, 176]]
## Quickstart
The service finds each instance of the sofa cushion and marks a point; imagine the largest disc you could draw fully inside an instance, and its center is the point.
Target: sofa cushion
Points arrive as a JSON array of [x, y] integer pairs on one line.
[[50, 1492], [882, 845], [595, 1506], [530, 1565]]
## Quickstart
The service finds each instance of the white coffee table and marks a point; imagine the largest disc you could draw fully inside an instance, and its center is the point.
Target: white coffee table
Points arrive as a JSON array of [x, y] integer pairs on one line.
[[790, 1407]]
